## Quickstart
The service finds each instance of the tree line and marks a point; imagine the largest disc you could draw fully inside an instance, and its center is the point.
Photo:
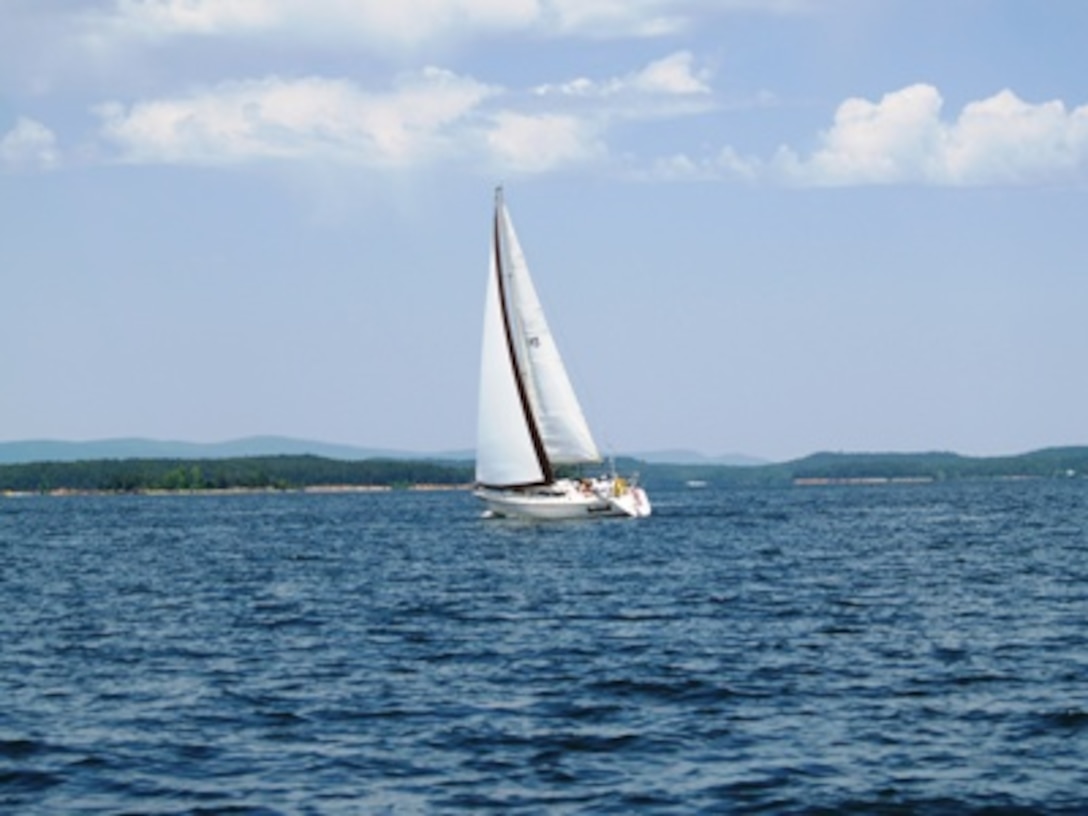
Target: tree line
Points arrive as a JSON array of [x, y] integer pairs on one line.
[[262, 472], [1065, 462], [294, 472]]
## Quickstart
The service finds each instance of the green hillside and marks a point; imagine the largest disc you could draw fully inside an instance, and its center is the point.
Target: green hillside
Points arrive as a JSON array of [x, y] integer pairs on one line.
[[278, 472], [298, 472], [880, 467]]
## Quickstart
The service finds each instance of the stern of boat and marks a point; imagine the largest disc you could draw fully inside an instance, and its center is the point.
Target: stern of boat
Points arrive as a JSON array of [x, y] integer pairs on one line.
[[632, 501]]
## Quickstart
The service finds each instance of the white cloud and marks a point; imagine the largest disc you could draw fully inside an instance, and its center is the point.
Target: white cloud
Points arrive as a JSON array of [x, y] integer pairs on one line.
[[902, 139], [582, 111], [434, 115], [727, 165], [1006, 140], [29, 145], [312, 118], [524, 143], [613, 18], [384, 23], [159, 17], [894, 140], [667, 88], [672, 75], [424, 117], [606, 19], [412, 23]]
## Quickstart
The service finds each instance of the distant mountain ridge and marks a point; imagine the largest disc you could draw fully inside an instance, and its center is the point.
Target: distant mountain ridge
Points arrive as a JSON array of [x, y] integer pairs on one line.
[[682, 456], [268, 463], [51, 450], [48, 450]]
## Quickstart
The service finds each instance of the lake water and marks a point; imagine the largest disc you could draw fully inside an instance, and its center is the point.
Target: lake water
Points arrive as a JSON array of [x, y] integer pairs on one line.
[[893, 649]]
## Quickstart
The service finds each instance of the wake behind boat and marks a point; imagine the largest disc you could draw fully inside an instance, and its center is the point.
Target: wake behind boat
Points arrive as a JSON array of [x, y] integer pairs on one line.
[[530, 421]]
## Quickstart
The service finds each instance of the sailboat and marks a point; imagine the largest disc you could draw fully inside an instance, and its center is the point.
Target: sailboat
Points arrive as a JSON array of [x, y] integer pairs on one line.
[[530, 423]]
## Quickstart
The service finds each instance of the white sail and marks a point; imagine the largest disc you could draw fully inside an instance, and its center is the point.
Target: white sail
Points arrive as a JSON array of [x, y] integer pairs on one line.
[[505, 451], [560, 421], [529, 417]]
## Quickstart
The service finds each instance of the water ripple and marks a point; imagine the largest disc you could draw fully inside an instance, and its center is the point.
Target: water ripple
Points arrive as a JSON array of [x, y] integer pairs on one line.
[[913, 649]]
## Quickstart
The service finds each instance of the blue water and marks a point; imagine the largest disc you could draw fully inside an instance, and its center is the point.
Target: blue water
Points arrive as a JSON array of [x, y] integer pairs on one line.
[[893, 649]]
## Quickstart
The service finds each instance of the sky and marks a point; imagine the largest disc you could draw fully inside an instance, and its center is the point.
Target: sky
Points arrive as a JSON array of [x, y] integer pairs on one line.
[[769, 227]]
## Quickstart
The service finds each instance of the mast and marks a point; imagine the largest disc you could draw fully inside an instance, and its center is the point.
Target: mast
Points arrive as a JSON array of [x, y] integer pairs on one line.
[[519, 381]]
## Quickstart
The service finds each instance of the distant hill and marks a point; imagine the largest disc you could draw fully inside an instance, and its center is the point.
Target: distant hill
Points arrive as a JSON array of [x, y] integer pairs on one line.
[[676, 467], [48, 450], [940, 465], [682, 456], [124, 472], [865, 468], [58, 451]]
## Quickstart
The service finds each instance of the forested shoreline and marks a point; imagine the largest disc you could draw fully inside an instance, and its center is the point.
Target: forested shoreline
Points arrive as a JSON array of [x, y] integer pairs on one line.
[[302, 472], [876, 468], [250, 473]]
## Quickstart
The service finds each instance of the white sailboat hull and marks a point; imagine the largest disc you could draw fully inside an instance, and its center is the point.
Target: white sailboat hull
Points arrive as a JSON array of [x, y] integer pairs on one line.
[[567, 499]]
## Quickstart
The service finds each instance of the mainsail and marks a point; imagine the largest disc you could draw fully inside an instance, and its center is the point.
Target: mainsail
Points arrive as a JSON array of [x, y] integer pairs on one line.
[[529, 416]]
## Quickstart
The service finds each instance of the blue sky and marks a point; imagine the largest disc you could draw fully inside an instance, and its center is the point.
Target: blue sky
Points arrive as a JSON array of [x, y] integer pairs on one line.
[[760, 226]]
